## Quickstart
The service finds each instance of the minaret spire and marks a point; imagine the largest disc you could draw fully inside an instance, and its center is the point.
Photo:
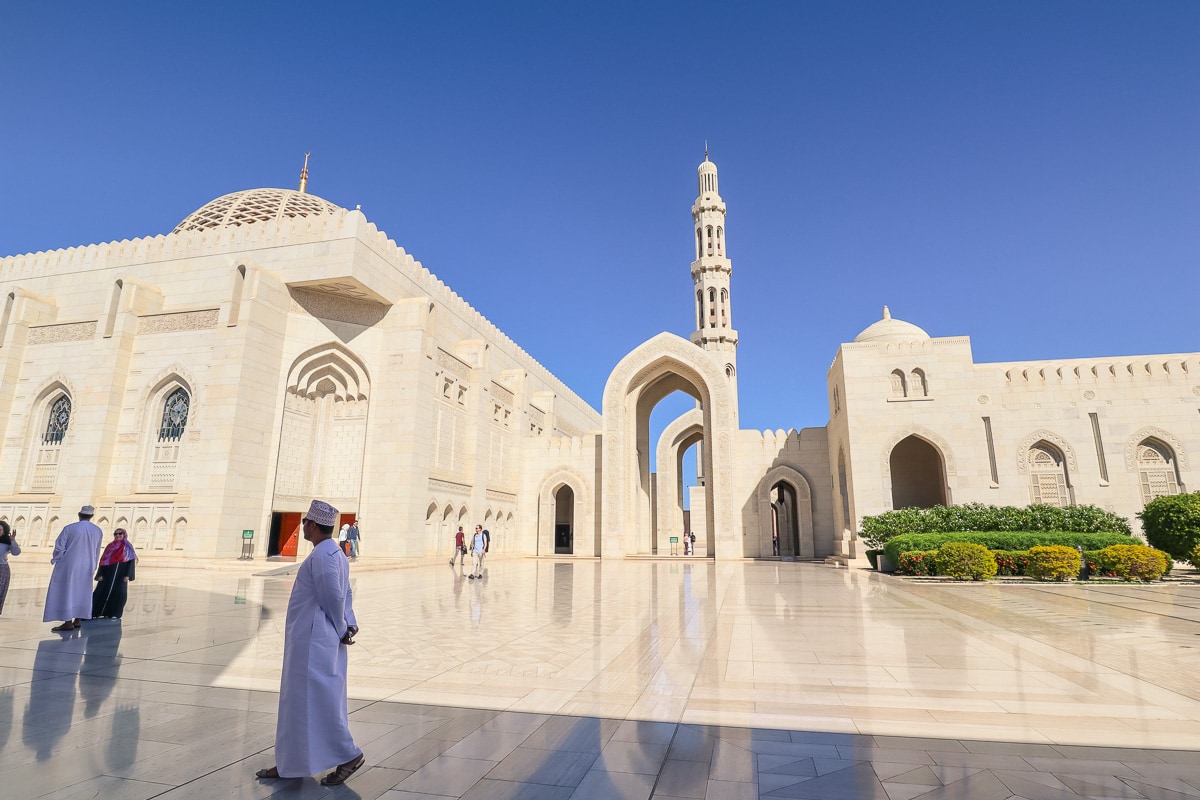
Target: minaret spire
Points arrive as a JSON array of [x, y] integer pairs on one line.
[[712, 269], [304, 175]]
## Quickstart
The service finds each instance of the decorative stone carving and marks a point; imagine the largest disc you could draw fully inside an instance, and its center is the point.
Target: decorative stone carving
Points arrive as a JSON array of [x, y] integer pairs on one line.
[[437, 485], [181, 321], [1054, 439], [337, 307], [67, 332], [1153, 432]]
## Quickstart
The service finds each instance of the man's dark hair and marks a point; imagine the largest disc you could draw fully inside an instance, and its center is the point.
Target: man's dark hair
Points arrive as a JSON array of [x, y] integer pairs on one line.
[[325, 529]]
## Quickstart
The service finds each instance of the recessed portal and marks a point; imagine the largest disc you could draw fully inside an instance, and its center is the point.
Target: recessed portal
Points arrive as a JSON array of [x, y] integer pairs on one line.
[[918, 477], [564, 521]]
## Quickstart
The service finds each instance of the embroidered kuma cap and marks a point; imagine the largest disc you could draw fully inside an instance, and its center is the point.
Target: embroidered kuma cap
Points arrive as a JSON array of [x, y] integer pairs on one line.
[[322, 513]]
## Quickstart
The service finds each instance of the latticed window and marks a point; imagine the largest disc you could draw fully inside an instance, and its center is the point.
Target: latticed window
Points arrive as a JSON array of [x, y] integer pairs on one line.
[[1156, 469], [918, 383], [60, 418], [175, 416], [899, 386], [1048, 477]]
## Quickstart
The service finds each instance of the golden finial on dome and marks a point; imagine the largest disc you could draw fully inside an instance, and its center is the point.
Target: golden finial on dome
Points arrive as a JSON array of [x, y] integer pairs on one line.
[[304, 175]]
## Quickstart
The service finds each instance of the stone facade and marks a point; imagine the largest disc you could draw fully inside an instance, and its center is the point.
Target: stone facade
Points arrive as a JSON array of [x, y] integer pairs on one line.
[[275, 347]]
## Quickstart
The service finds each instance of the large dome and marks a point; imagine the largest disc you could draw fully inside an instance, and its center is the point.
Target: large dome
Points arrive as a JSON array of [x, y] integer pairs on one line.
[[255, 205], [891, 330]]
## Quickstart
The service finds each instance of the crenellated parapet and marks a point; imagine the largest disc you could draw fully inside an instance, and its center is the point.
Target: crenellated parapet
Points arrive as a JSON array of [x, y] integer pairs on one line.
[[1158, 368]]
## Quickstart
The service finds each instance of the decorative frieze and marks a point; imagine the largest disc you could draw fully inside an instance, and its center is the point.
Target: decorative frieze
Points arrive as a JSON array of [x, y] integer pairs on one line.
[[436, 485], [337, 307], [66, 332], [179, 321]]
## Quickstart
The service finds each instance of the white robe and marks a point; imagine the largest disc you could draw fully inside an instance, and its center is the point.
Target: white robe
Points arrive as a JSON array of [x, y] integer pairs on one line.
[[76, 553], [313, 733]]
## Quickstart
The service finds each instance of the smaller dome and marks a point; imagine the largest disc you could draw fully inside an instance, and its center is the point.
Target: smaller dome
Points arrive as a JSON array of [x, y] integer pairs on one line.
[[255, 205], [891, 330]]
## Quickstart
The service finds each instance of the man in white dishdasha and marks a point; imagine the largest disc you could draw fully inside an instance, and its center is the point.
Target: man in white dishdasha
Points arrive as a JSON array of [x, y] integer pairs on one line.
[[313, 730], [76, 553]]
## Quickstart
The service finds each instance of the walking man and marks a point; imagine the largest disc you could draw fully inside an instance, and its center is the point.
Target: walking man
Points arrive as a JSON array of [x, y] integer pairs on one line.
[[478, 549], [313, 729], [76, 552], [460, 548]]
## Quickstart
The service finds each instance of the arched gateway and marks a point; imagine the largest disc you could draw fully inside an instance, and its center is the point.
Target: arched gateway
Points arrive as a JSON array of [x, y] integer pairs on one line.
[[662, 365]]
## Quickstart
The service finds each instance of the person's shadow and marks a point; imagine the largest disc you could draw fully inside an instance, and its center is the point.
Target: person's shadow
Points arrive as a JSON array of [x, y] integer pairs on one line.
[[80, 664]]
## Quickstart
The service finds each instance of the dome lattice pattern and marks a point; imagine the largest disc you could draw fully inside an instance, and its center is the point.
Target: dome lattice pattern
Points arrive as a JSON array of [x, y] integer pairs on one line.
[[255, 205]]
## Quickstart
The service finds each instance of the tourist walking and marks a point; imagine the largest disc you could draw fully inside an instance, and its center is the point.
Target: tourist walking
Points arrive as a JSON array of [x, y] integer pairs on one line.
[[460, 548], [352, 537], [8, 547], [115, 572], [343, 535], [312, 731], [478, 551], [69, 595]]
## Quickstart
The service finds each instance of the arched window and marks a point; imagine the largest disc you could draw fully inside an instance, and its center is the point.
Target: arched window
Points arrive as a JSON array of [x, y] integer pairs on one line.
[[175, 416], [1048, 479], [712, 308], [699, 309], [917, 384], [699, 243], [724, 308], [708, 231], [1156, 469], [60, 419], [899, 384], [720, 245]]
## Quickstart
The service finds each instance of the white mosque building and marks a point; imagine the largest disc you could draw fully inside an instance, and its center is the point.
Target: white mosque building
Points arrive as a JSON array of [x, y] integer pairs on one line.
[[275, 347]]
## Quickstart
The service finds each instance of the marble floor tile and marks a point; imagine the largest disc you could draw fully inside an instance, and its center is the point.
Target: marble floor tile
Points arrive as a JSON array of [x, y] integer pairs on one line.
[[633, 678]]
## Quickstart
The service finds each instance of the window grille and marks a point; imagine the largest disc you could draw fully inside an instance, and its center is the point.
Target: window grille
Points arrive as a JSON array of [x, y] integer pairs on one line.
[[60, 418], [175, 416]]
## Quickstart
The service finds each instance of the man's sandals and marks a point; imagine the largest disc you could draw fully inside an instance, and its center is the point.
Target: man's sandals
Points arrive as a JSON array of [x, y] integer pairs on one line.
[[339, 775], [335, 778]]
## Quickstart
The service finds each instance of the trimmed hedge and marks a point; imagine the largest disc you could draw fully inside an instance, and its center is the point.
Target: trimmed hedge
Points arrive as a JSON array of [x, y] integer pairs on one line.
[[1133, 562], [1172, 523], [964, 561], [877, 530], [1001, 540], [1055, 562]]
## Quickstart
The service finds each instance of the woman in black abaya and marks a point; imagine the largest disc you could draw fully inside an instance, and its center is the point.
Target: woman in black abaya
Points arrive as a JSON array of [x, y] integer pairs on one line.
[[114, 574]]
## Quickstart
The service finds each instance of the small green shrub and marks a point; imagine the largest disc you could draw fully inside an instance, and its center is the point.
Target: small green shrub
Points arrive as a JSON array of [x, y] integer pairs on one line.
[[1133, 562], [965, 561], [917, 562], [1172, 523], [1003, 540], [1054, 562], [1010, 562], [1194, 556]]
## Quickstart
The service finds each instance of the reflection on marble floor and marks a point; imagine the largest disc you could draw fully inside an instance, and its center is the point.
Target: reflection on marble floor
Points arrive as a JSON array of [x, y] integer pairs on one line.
[[626, 679]]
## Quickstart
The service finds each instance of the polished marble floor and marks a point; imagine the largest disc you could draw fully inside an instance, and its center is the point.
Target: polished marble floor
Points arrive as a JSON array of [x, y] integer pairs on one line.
[[629, 679]]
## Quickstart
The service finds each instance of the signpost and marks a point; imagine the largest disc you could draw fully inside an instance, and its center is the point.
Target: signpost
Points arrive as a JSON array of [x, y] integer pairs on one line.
[[674, 545], [247, 546]]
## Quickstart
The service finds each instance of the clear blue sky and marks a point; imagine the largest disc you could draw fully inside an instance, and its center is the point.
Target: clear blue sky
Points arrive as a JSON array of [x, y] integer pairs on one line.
[[1025, 173]]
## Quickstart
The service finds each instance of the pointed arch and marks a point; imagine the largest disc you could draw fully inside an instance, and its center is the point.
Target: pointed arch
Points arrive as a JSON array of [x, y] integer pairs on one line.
[[946, 464], [680, 434], [656, 368], [48, 434], [798, 482], [585, 542]]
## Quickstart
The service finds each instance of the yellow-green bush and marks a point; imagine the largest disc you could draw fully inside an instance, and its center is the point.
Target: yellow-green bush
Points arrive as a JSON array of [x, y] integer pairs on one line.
[[1195, 556], [965, 561], [1133, 562], [1053, 562]]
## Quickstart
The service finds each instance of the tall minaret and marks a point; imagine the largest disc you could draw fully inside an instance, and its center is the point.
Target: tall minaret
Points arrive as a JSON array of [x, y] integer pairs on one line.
[[711, 269]]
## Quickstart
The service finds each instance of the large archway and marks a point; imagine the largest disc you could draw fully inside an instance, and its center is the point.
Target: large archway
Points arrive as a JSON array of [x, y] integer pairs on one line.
[[660, 366], [918, 474]]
